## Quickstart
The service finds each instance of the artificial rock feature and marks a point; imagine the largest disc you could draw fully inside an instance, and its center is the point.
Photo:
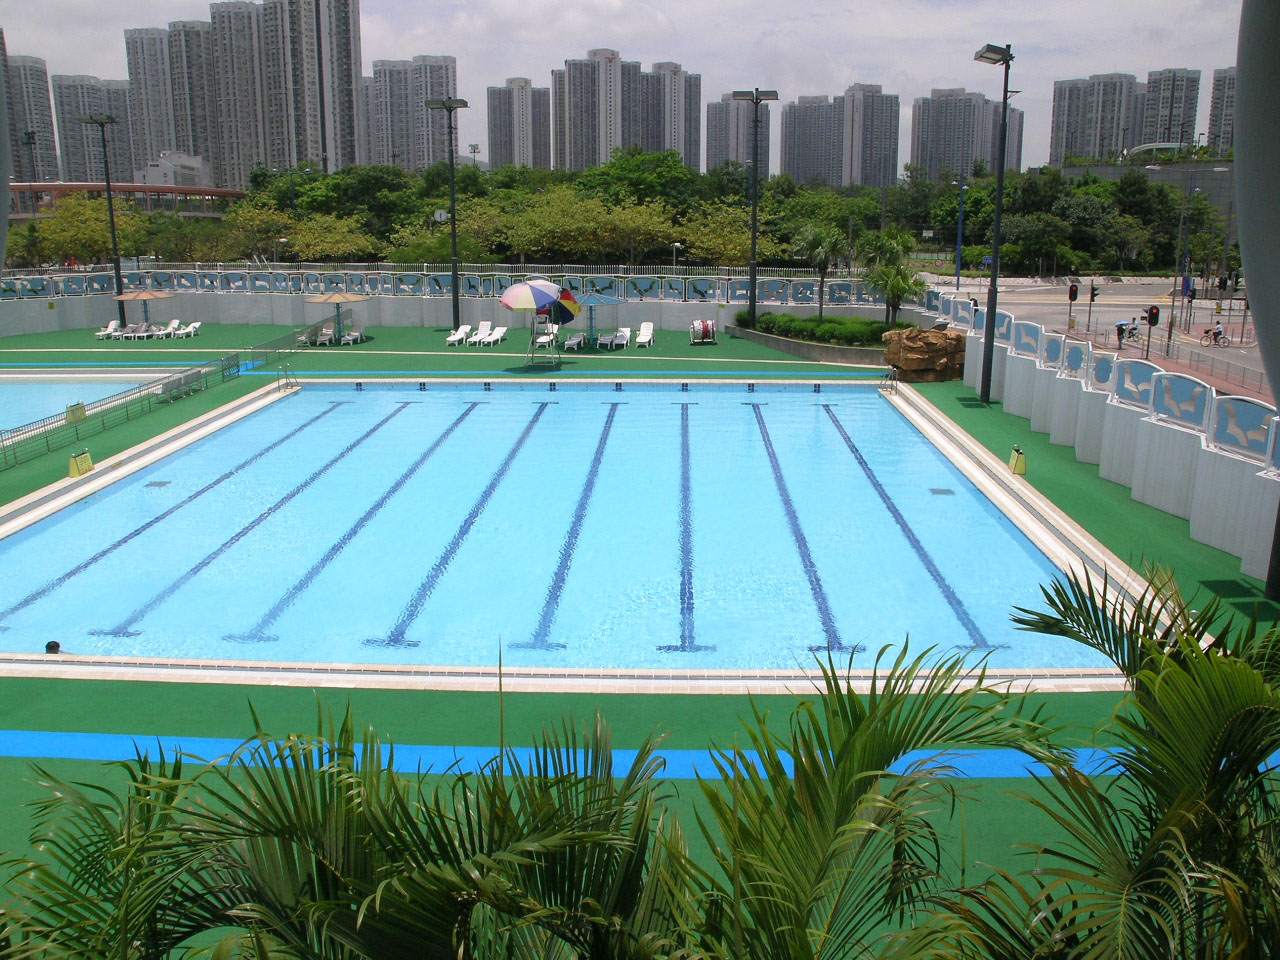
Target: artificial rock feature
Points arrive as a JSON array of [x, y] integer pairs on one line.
[[925, 356]]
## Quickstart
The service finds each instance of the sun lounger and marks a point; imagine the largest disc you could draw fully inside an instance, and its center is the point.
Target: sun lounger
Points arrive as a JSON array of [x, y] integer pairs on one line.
[[617, 341], [139, 332], [458, 336], [354, 335], [482, 331], [190, 330], [326, 337], [161, 332], [109, 330], [127, 332], [496, 336], [576, 342], [645, 337]]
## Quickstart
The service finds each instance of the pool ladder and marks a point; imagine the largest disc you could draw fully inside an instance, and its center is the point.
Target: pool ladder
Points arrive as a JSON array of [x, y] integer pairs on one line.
[[889, 380], [285, 378]]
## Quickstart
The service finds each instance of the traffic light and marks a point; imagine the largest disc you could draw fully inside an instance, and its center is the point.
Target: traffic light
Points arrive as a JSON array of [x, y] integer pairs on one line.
[[1222, 282], [1191, 294], [1153, 316], [1093, 292], [1073, 291]]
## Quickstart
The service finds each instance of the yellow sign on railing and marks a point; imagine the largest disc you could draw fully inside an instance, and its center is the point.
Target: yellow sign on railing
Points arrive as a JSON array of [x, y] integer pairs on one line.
[[81, 463], [76, 413]]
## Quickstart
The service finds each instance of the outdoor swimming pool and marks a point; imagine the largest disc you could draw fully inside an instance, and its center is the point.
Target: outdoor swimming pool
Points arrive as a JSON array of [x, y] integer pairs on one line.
[[592, 526], [25, 401]]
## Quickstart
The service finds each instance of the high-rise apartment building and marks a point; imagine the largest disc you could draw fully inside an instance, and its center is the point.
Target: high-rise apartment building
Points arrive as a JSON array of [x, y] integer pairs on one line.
[[811, 140], [952, 129], [1222, 111], [1098, 117], [192, 89], [671, 101], [596, 109], [519, 125], [82, 96], [150, 116], [1169, 108], [869, 136], [731, 132], [405, 132], [32, 112], [12, 133], [236, 36]]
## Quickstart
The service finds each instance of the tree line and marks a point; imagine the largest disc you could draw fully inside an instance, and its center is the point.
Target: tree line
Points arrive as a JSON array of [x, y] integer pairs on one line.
[[643, 209]]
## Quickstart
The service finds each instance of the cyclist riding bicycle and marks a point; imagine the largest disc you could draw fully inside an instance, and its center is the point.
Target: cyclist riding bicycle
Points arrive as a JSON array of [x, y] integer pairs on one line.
[[1217, 331]]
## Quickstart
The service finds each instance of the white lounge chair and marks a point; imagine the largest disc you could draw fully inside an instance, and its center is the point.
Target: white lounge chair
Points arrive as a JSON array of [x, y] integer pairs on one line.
[[109, 330], [190, 330], [458, 336], [496, 336], [576, 342], [161, 332], [354, 335], [645, 337], [482, 331], [137, 331], [617, 341], [326, 337]]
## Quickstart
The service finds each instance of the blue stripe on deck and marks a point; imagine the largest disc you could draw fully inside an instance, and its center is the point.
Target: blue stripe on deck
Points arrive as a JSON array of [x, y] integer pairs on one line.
[[396, 636], [137, 531], [255, 633], [833, 642], [540, 633], [124, 628], [948, 593], [410, 758]]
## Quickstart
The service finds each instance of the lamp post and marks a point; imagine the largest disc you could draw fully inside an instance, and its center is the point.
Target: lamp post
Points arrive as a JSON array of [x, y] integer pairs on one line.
[[756, 97], [449, 105], [474, 148], [960, 230], [100, 120], [994, 53], [675, 249], [1184, 241]]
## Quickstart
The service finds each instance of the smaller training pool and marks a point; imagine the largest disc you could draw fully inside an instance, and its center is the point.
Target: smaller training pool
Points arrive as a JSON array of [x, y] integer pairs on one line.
[[24, 401]]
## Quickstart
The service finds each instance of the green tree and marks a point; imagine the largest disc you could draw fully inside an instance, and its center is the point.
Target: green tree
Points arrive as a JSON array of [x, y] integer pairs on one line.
[[631, 232], [820, 245], [895, 283], [77, 227], [633, 176], [718, 234], [888, 247], [24, 249], [322, 238], [254, 227]]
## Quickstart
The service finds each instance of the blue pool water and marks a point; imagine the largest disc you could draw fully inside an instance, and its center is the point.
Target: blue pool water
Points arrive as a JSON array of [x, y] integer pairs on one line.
[[586, 527], [25, 401]]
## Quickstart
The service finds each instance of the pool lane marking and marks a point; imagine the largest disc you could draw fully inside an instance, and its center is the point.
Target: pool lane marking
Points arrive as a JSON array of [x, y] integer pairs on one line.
[[948, 593], [396, 635], [802, 376], [255, 633], [138, 531], [688, 643], [124, 628], [833, 642], [538, 641], [438, 759]]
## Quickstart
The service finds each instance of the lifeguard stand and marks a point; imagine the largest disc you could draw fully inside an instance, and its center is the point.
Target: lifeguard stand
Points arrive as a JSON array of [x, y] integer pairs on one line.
[[544, 342]]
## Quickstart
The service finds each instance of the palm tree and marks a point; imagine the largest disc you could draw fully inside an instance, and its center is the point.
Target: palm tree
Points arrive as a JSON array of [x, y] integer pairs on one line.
[[821, 245], [895, 283], [888, 246], [822, 834], [1175, 850]]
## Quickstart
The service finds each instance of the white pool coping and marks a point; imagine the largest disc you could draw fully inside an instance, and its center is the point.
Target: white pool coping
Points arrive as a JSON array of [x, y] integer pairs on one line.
[[1067, 545]]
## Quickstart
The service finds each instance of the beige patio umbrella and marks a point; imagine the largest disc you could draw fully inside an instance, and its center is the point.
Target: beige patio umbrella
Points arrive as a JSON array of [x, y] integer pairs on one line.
[[144, 296], [339, 298]]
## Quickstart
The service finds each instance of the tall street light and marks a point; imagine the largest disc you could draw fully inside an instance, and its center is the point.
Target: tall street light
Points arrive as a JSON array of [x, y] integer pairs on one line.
[[449, 105], [100, 120], [756, 97], [1184, 241], [994, 53], [675, 250], [29, 141], [474, 148], [960, 229]]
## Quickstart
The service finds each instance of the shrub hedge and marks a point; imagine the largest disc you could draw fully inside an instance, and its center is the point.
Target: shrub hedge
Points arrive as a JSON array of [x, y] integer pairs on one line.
[[845, 331]]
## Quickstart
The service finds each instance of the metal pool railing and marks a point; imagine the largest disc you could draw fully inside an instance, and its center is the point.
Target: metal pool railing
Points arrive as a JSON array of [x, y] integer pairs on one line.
[[79, 421]]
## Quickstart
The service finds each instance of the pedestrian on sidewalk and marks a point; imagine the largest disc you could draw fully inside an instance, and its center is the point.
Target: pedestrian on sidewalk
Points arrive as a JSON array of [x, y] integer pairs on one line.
[[1121, 326]]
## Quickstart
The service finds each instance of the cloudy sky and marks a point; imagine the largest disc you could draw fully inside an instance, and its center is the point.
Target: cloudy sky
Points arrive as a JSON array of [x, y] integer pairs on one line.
[[800, 49]]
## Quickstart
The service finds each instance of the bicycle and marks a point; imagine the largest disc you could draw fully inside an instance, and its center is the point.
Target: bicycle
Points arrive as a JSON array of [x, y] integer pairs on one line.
[[1208, 341]]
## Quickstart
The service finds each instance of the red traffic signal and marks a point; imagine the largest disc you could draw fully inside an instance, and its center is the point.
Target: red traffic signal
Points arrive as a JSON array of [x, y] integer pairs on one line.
[[1153, 316], [1093, 293], [1073, 291]]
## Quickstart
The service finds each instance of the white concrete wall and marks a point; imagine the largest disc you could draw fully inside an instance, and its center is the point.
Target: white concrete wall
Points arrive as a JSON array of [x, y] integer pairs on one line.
[[1119, 433], [1165, 457], [1064, 406]]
